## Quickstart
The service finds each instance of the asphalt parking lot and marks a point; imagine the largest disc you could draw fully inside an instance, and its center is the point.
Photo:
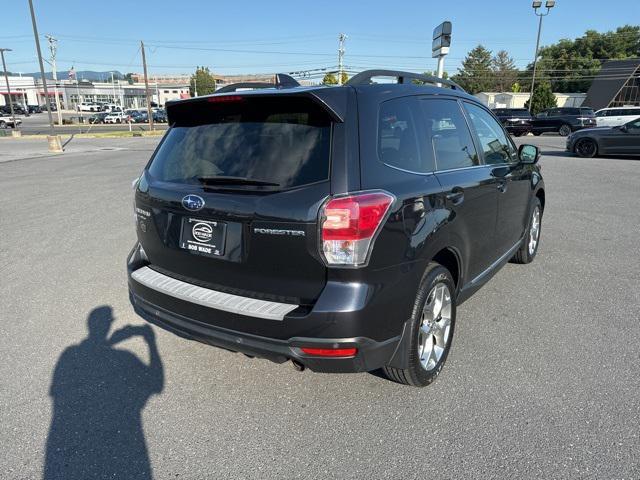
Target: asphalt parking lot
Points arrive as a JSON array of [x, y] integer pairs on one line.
[[543, 380]]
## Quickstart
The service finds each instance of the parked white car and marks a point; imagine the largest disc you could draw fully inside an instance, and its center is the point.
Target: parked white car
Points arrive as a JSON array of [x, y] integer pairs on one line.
[[7, 121], [88, 107], [614, 116], [116, 117], [111, 108]]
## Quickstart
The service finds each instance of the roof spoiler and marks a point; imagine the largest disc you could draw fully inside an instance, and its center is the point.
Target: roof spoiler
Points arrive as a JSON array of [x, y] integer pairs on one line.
[[281, 80], [364, 78]]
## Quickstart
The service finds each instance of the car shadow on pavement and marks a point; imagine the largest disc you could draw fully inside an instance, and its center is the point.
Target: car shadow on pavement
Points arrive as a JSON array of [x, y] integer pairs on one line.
[[98, 393]]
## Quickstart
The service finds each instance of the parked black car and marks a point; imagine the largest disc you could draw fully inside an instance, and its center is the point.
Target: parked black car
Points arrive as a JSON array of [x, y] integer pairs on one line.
[[17, 110], [563, 120], [517, 121], [34, 109], [619, 140], [336, 227], [98, 117]]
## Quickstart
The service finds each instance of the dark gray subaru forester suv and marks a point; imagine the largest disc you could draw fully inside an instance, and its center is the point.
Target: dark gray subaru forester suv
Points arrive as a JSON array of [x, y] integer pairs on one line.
[[338, 228]]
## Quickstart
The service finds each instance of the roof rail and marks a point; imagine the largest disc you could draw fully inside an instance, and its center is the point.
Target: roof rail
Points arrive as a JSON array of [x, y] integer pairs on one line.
[[364, 78], [282, 80]]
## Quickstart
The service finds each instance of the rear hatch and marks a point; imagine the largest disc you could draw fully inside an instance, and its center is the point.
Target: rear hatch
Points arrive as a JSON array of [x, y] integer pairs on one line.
[[230, 199]]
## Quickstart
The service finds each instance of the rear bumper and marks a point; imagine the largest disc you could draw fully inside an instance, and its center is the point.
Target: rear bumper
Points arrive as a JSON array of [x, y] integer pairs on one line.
[[518, 129], [329, 324]]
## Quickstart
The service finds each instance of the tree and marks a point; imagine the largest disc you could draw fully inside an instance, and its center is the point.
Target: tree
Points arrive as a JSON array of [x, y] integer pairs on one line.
[[476, 73], [202, 82], [543, 98], [129, 78], [571, 65], [505, 72], [331, 79]]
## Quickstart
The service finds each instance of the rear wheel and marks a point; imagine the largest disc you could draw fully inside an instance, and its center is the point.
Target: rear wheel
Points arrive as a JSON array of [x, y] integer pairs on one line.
[[527, 251], [537, 134], [586, 147], [3, 124], [564, 130], [431, 329]]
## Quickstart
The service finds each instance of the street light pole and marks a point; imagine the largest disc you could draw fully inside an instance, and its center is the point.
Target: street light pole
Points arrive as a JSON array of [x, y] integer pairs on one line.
[[536, 5], [6, 79]]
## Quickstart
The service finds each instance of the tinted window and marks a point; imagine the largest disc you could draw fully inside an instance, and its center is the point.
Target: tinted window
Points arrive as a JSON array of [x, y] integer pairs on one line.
[[634, 125], [397, 140], [586, 111], [448, 134], [634, 111], [280, 140], [496, 146]]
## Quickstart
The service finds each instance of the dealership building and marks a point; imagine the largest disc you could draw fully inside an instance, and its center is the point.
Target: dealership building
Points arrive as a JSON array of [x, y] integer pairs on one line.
[[617, 85], [29, 91]]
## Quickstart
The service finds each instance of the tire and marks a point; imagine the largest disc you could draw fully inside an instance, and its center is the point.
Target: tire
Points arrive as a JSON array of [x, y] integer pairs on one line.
[[586, 148], [537, 134], [423, 366], [564, 130], [3, 124], [528, 250]]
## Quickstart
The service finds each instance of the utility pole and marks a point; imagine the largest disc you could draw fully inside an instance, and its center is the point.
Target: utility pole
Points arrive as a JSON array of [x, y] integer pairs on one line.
[[146, 86], [55, 144], [6, 79], [53, 47], [113, 88], [341, 39]]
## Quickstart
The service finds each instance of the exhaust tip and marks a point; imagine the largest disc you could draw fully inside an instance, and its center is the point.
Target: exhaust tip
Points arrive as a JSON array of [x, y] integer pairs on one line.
[[297, 365]]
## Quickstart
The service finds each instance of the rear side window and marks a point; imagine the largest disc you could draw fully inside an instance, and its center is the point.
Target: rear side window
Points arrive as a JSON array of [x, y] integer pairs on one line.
[[496, 146], [284, 141], [448, 134], [398, 144]]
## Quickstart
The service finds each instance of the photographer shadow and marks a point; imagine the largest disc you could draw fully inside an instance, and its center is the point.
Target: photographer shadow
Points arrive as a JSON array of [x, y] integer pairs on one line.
[[98, 394]]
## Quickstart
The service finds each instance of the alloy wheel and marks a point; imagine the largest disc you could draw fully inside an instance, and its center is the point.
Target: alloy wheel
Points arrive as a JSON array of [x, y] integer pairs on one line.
[[534, 230], [586, 148], [434, 331]]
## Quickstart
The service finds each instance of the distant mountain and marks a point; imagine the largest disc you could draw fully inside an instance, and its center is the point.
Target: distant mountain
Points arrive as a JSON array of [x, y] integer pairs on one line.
[[90, 75]]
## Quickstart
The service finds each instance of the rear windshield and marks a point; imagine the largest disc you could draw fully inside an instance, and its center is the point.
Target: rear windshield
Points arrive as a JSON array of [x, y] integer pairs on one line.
[[284, 141]]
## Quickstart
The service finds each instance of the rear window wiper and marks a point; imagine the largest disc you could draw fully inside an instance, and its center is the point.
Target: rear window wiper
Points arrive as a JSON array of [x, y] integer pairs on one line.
[[223, 180]]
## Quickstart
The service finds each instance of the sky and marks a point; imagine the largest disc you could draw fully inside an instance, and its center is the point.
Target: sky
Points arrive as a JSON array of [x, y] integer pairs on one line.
[[251, 36]]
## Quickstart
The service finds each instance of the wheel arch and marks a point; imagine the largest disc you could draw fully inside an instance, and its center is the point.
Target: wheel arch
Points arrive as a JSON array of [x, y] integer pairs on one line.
[[450, 259], [540, 195]]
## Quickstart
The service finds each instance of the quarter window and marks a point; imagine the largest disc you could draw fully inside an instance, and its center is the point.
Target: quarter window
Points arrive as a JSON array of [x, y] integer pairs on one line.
[[447, 134], [496, 147]]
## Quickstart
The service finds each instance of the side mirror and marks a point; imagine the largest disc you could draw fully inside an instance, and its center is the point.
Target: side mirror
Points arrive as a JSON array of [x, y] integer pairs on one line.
[[623, 128], [528, 154]]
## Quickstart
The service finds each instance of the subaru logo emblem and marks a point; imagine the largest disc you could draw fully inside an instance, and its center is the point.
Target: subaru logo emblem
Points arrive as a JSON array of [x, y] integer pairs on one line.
[[193, 202]]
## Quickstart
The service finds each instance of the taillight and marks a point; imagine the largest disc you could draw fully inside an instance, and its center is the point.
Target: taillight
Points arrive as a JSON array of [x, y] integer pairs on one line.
[[348, 226]]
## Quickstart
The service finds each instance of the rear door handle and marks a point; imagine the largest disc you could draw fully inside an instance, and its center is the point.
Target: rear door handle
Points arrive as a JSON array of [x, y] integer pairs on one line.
[[456, 196]]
